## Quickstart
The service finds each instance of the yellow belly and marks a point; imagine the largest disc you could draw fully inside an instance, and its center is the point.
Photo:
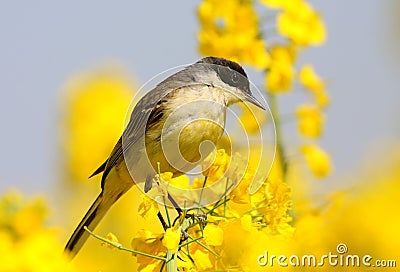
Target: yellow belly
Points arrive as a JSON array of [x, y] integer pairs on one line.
[[192, 123], [181, 152]]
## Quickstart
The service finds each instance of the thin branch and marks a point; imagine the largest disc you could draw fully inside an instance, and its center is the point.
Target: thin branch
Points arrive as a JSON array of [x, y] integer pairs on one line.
[[203, 245], [120, 247]]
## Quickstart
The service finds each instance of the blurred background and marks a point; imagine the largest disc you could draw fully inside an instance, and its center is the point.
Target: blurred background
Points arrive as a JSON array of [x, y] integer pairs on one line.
[[44, 44], [49, 51]]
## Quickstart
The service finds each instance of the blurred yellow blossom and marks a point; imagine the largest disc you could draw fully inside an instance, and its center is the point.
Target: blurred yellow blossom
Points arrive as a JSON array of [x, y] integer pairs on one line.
[[252, 119], [26, 244], [94, 103], [317, 160], [302, 24], [280, 4], [311, 81], [280, 74], [203, 261], [148, 207], [241, 192], [229, 29], [247, 222], [215, 165], [213, 235], [310, 120], [320, 228]]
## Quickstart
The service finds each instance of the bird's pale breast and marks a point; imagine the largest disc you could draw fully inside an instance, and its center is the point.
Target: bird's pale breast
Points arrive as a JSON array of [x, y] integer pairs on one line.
[[193, 121]]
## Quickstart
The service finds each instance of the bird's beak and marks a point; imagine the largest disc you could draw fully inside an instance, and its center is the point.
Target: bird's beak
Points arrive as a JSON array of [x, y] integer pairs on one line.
[[250, 98]]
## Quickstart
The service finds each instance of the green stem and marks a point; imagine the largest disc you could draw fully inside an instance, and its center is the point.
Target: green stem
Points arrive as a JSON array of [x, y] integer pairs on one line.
[[203, 245], [120, 247], [281, 154], [216, 205], [223, 197], [256, 208], [226, 189], [172, 265], [201, 193]]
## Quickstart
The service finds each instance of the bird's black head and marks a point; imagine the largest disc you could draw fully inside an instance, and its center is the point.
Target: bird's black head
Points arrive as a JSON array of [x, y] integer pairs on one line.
[[232, 74], [229, 72]]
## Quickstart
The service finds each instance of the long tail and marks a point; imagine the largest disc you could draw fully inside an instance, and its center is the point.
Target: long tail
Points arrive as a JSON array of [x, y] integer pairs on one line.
[[91, 219]]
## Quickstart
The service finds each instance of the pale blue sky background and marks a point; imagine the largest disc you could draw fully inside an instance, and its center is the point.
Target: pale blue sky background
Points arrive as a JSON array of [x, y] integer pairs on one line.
[[45, 42]]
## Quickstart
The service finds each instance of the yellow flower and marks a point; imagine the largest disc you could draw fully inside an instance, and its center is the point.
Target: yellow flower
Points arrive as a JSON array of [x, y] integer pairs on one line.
[[215, 165], [310, 120], [241, 192], [150, 243], [182, 181], [256, 54], [230, 30], [302, 24], [213, 235], [26, 244], [310, 80], [185, 263], [148, 208], [95, 108], [202, 260], [247, 222], [281, 4], [280, 75], [21, 216], [112, 238], [252, 119], [172, 237], [271, 203], [317, 160]]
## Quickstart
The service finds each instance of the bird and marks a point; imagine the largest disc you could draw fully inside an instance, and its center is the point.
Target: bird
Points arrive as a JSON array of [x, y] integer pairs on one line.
[[167, 128]]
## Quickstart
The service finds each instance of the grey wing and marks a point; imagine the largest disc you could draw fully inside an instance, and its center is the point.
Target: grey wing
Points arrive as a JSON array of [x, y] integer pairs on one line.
[[146, 112], [134, 131]]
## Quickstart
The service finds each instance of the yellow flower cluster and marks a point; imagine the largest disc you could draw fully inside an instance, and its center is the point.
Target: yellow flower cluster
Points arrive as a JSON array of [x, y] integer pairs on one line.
[[235, 229], [25, 243], [311, 121], [229, 29], [311, 82], [232, 29], [317, 159], [281, 72], [237, 217], [96, 104], [301, 23], [362, 218], [298, 21]]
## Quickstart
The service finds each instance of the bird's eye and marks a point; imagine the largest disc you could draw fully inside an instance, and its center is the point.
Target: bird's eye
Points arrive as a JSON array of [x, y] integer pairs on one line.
[[235, 77]]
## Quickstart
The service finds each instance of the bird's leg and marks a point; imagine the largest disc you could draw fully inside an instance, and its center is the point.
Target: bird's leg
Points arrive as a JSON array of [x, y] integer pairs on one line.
[[202, 222], [163, 223], [176, 206], [199, 216], [162, 191]]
